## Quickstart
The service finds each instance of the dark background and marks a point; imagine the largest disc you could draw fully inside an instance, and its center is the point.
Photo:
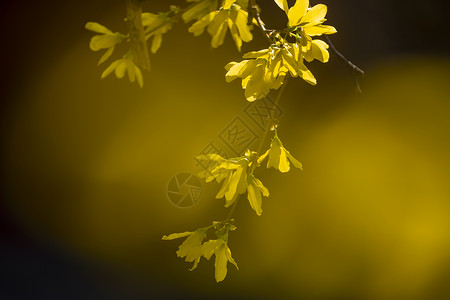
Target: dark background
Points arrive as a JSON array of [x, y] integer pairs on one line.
[[38, 263]]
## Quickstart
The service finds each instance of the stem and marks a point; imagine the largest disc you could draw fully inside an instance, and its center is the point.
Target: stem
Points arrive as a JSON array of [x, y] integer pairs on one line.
[[262, 140], [353, 68], [233, 207], [138, 43], [270, 124]]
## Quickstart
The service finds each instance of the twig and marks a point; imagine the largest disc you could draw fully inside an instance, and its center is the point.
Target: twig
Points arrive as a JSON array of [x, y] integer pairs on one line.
[[256, 13], [356, 71]]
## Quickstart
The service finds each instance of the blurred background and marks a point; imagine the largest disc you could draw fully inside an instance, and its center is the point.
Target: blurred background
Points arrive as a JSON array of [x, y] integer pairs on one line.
[[86, 162]]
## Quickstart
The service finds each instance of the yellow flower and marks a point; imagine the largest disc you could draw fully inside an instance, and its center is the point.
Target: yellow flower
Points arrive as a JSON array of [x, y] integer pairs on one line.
[[268, 68], [255, 189], [279, 157], [310, 19], [123, 65], [220, 249], [153, 27], [305, 23], [191, 248], [106, 40], [230, 16]]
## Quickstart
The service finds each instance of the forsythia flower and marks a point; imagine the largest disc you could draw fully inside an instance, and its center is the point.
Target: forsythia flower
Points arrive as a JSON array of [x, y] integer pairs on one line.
[[220, 249], [268, 69], [123, 65], [307, 22], [106, 40], [237, 177], [152, 21], [279, 157], [193, 247], [230, 16]]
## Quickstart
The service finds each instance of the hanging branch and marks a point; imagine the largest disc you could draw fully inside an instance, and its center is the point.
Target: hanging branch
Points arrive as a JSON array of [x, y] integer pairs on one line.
[[137, 36]]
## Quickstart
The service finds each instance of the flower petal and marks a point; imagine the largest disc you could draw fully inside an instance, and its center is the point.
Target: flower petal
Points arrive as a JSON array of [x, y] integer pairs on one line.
[[297, 11], [319, 30], [176, 235], [96, 27], [315, 15], [111, 68], [106, 55], [283, 5]]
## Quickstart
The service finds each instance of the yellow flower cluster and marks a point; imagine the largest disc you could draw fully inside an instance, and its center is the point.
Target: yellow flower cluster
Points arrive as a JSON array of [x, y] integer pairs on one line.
[[236, 174], [193, 248], [265, 70]]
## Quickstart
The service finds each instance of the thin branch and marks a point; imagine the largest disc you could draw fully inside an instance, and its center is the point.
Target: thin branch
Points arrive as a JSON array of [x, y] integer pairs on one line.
[[356, 71], [256, 13]]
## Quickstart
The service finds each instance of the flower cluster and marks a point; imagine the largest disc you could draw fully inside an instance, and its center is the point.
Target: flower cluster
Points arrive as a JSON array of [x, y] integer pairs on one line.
[[230, 16], [237, 174], [267, 69], [193, 248]]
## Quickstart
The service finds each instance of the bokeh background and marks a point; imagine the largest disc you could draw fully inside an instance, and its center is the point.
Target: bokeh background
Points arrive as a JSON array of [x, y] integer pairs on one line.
[[86, 162]]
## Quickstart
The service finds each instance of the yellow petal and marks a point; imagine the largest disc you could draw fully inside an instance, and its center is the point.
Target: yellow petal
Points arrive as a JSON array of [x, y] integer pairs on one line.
[[111, 68], [106, 55], [263, 157], [283, 5], [219, 35], [235, 34], [254, 198], [234, 70], [139, 78], [96, 27], [283, 163], [319, 30], [176, 235], [319, 50], [230, 259], [131, 70], [297, 11], [244, 29], [199, 27], [103, 41], [234, 181], [121, 68], [295, 162], [156, 43], [290, 63], [220, 264], [315, 15], [307, 75], [256, 54]]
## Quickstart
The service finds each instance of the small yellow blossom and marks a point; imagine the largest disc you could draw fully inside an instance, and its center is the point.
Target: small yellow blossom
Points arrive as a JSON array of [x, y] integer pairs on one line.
[[236, 176], [230, 16], [106, 40], [220, 249], [123, 65], [191, 248], [279, 157], [268, 68]]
